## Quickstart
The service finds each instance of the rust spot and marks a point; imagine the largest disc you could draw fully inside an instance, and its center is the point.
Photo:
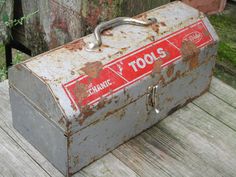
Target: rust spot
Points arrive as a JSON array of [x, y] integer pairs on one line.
[[177, 74], [124, 49], [169, 99], [142, 16], [109, 113], [86, 112], [193, 63], [162, 23], [104, 46], [151, 38], [73, 107], [122, 113], [125, 91], [80, 92], [99, 50], [70, 139], [189, 50], [119, 113], [61, 121], [190, 53], [155, 27], [68, 124], [95, 122], [170, 70], [18, 67], [103, 103], [76, 160], [127, 96], [72, 73], [45, 79], [76, 45], [92, 69], [162, 79], [157, 66], [81, 121], [205, 32], [107, 32]]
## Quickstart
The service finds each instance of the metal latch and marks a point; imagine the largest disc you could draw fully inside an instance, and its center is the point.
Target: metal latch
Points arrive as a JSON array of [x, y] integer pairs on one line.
[[152, 99]]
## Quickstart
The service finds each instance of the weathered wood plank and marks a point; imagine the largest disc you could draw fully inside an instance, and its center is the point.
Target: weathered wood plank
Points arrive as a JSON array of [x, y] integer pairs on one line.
[[150, 154], [180, 160], [131, 155], [200, 133], [14, 161], [171, 153], [218, 109], [223, 91], [5, 112], [107, 166]]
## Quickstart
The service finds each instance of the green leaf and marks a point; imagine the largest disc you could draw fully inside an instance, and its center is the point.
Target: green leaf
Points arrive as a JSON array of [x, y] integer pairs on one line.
[[5, 17]]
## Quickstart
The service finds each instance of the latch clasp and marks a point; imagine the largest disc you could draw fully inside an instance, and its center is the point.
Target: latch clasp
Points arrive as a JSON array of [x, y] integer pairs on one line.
[[152, 99]]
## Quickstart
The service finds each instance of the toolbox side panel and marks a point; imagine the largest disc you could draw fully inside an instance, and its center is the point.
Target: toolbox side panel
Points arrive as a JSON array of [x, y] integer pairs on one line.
[[118, 126], [39, 131], [38, 93]]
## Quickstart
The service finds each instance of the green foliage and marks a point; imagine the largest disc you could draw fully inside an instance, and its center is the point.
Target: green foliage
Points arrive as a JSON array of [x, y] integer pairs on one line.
[[227, 52], [225, 77], [17, 58], [225, 25], [3, 73], [5, 18], [15, 22], [2, 2]]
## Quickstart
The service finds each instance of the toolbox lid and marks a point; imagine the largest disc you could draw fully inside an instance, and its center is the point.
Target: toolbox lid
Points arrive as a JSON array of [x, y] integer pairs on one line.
[[74, 87]]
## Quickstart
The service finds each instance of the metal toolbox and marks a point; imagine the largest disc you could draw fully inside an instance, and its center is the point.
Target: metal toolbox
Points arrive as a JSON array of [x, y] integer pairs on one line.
[[81, 100]]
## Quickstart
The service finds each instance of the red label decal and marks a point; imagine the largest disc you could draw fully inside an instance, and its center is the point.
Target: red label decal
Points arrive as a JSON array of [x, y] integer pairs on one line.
[[127, 69]]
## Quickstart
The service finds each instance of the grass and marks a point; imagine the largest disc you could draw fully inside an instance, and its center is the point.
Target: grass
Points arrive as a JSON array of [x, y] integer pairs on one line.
[[3, 70], [225, 25], [225, 77], [17, 58]]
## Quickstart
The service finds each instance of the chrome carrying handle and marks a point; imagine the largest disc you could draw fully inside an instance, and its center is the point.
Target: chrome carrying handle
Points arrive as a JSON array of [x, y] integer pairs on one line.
[[113, 23]]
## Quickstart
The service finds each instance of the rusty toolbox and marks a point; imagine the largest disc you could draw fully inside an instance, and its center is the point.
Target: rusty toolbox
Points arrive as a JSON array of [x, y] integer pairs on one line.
[[81, 100]]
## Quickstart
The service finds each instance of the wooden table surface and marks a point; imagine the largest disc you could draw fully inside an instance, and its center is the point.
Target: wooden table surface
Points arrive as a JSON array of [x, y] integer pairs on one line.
[[197, 140]]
